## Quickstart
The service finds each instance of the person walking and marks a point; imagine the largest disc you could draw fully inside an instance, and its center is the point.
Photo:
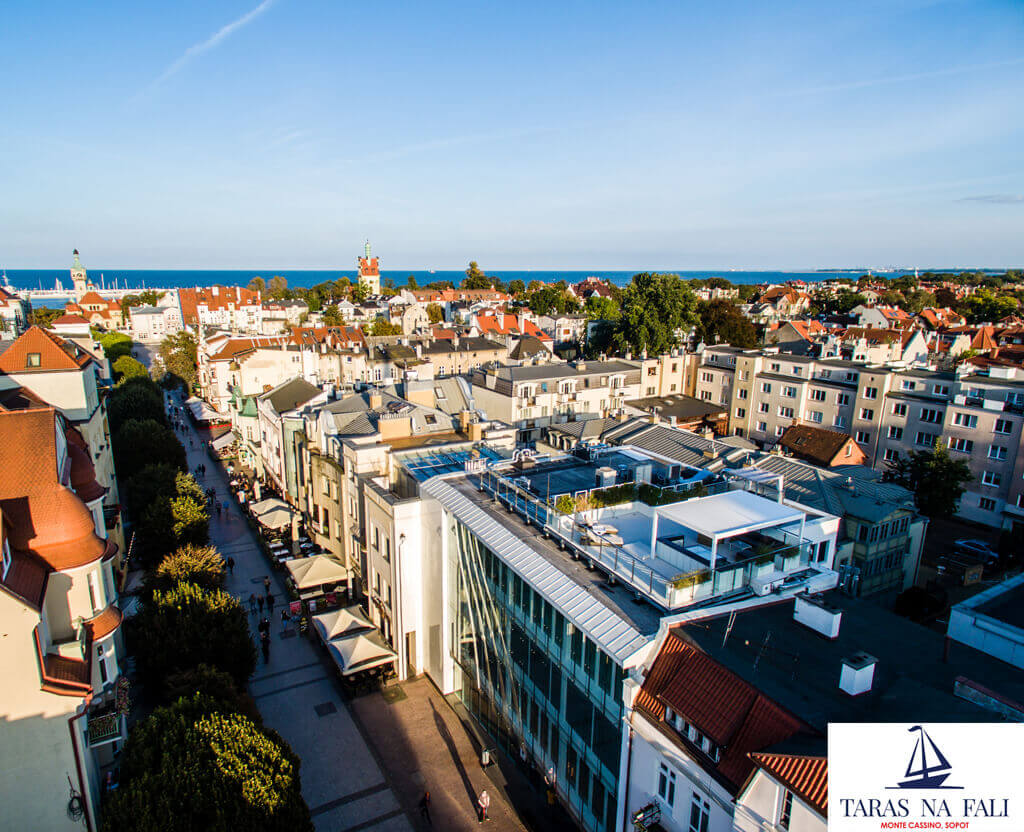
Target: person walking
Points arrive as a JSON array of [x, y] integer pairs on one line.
[[265, 640], [252, 603], [483, 803], [231, 563], [266, 584], [285, 620], [270, 602], [425, 808], [260, 602]]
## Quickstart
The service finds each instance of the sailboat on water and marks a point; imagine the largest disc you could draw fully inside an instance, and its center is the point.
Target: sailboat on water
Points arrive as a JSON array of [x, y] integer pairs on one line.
[[922, 772]]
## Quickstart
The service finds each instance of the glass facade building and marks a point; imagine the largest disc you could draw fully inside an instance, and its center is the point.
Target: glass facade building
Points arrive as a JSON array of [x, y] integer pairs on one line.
[[537, 683]]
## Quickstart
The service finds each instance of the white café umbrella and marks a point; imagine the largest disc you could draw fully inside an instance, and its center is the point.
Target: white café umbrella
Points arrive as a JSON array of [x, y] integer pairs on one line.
[[341, 623], [361, 652], [272, 513], [316, 570]]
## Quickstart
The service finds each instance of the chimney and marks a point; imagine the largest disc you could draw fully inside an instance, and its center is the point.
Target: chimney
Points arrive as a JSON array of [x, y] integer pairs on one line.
[[858, 674], [376, 400], [818, 615]]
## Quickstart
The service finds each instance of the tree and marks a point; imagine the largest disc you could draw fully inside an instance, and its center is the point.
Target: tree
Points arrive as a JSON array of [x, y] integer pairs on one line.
[[359, 292], [332, 315], [381, 326], [199, 565], [148, 485], [185, 626], [475, 278], [126, 368], [535, 285], [190, 514], [180, 354], [936, 479], [278, 287], [43, 316], [411, 282], [435, 313], [198, 765], [720, 321], [257, 284], [136, 397], [141, 442], [599, 308], [655, 308], [516, 287], [987, 306], [115, 345], [216, 684]]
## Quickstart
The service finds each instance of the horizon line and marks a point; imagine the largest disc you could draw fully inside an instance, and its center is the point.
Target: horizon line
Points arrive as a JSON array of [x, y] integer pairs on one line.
[[257, 270]]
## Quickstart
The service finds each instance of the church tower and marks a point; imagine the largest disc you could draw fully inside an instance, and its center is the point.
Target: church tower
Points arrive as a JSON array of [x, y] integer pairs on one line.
[[79, 278], [369, 271]]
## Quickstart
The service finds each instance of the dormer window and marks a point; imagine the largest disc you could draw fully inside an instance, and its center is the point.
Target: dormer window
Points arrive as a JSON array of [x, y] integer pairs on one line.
[[34, 359]]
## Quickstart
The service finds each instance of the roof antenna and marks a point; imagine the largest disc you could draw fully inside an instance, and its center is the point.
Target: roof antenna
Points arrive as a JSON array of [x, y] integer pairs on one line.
[[728, 627]]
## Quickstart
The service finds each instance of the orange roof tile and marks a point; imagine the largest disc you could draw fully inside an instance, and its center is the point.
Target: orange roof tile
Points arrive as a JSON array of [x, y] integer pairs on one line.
[[104, 623], [806, 777], [54, 352]]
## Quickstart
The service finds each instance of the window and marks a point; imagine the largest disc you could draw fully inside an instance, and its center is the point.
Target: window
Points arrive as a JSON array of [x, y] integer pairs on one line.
[[899, 409], [6, 556], [667, 785], [863, 437], [742, 393], [815, 416], [779, 430], [766, 387], [839, 422], [1003, 426], [964, 446], [891, 455], [826, 374], [851, 376], [740, 412], [102, 662], [991, 478], [786, 412], [870, 392], [705, 395], [996, 452], [925, 439], [867, 413], [763, 407], [775, 367], [796, 371], [789, 392], [34, 359], [895, 432], [986, 504], [965, 420], [842, 398], [941, 389], [907, 385], [786, 809], [762, 426], [931, 416], [818, 395], [94, 591], [700, 813], [706, 377]]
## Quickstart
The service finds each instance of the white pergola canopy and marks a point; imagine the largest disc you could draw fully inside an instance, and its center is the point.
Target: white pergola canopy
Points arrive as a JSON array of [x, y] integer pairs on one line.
[[362, 652], [729, 514], [202, 411], [316, 571], [341, 623]]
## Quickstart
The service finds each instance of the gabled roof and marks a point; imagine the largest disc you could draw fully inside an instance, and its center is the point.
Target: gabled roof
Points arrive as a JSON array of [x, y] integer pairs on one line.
[[55, 353], [731, 712], [288, 395], [805, 776], [818, 445], [71, 319]]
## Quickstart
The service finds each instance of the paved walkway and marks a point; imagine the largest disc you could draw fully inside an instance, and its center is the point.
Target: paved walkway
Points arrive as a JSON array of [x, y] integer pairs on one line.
[[350, 782]]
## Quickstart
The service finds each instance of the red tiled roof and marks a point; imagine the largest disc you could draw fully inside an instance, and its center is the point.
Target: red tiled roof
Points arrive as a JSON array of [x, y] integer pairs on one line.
[[236, 346], [83, 474], [731, 712], [214, 298], [806, 777], [369, 268], [71, 319], [55, 353], [102, 625], [26, 578]]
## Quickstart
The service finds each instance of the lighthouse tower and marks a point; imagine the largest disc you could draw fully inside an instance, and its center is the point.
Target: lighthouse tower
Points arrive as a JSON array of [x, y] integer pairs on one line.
[[79, 278], [369, 271]]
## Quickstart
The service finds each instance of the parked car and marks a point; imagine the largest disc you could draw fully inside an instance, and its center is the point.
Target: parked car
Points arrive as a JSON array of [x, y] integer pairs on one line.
[[976, 548]]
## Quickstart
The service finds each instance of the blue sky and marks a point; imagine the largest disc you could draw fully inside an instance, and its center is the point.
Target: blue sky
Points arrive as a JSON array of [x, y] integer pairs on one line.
[[546, 135]]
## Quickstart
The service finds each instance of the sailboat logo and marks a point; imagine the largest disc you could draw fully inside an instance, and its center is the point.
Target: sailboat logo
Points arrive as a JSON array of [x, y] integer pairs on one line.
[[928, 767]]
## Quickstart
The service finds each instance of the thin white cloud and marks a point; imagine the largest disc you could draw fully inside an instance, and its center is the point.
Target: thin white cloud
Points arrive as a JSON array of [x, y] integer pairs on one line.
[[216, 38], [899, 79], [995, 199]]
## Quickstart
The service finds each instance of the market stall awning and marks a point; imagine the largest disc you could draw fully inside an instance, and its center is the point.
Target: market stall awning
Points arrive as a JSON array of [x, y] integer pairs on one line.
[[223, 441], [316, 571], [336, 624], [362, 652], [272, 513], [203, 412]]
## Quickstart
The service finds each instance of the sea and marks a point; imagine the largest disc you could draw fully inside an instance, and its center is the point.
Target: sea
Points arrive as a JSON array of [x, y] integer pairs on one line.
[[180, 278]]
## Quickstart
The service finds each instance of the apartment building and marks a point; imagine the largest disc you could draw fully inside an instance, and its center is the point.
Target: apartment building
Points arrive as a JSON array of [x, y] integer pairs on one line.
[[532, 398], [14, 311], [234, 308], [888, 410], [62, 650]]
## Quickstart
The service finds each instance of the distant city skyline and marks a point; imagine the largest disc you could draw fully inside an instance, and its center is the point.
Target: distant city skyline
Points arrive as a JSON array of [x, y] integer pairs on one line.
[[280, 135]]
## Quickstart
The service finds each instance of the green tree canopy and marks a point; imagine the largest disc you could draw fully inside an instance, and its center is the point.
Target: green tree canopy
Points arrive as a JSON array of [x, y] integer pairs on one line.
[[197, 765], [359, 293], [382, 326], [138, 397], [720, 321], [257, 284], [185, 626], [199, 565], [278, 286], [600, 308], [179, 353], [937, 480], [475, 278], [126, 368], [655, 307], [411, 282], [216, 684], [435, 313], [149, 484], [332, 315], [516, 287], [115, 345], [141, 442]]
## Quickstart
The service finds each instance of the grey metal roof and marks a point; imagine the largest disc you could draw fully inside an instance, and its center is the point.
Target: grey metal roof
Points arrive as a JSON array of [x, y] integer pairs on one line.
[[288, 395], [612, 633], [549, 371]]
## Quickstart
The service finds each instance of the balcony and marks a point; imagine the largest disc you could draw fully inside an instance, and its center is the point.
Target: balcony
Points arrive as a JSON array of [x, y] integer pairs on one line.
[[107, 718]]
